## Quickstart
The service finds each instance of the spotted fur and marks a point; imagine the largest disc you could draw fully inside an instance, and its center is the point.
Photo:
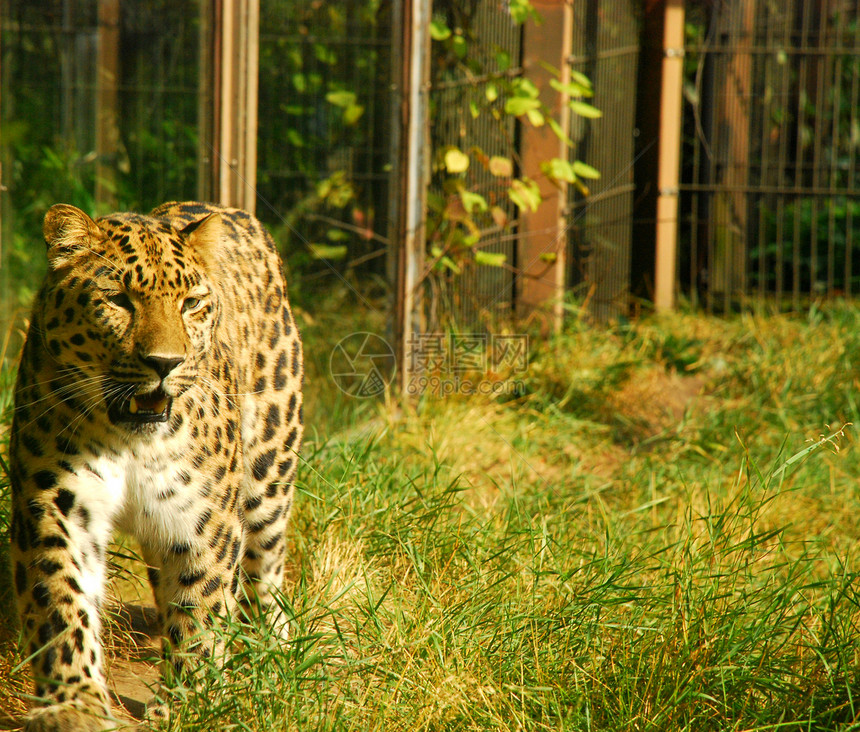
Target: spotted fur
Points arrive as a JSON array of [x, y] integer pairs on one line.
[[159, 392]]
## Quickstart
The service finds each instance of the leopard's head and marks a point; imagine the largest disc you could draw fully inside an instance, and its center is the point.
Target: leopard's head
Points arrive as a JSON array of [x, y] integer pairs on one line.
[[128, 309]]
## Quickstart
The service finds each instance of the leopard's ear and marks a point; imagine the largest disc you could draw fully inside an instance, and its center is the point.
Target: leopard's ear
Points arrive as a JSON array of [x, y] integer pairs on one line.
[[68, 232], [204, 236]]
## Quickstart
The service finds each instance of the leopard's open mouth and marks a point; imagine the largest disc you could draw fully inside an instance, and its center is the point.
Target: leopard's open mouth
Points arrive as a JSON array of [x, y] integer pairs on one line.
[[142, 408]]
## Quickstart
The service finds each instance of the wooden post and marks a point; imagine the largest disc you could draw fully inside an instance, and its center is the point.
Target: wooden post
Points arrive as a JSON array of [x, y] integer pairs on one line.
[[542, 284], [229, 115], [107, 121], [411, 177], [671, 96]]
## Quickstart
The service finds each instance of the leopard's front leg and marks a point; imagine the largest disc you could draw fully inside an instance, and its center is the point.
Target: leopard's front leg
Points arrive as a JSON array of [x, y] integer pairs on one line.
[[60, 529], [194, 581]]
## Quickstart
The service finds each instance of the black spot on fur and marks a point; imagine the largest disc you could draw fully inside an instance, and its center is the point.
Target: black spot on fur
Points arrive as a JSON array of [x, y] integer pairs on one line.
[[262, 464], [73, 585], [253, 503], [291, 408], [49, 657], [49, 567], [297, 357], [20, 578], [186, 579], [272, 422], [33, 446], [202, 520], [66, 446], [281, 371], [45, 479], [210, 587], [64, 500], [271, 543], [260, 525], [290, 442], [41, 594], [46, 632]]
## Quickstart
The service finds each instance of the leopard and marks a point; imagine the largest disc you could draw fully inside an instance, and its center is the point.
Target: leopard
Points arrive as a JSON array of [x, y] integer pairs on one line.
[[159, 394]]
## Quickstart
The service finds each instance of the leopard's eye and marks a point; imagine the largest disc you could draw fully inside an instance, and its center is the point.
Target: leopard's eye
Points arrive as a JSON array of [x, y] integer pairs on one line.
[[121, 300], [191, 304]]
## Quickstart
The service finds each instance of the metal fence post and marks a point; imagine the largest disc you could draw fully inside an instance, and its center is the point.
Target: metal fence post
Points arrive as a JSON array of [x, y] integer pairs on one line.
[[228, 102], [410, 177]]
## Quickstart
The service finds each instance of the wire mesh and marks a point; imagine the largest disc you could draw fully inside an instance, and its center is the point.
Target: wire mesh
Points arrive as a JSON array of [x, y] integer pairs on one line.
[[606, 49], [325, 76], [770, 195], [479, 293]]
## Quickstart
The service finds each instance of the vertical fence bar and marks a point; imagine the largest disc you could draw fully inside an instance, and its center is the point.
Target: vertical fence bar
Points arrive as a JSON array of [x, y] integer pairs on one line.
[[227, 102], [411, 179], [671, 98], [107, 96]]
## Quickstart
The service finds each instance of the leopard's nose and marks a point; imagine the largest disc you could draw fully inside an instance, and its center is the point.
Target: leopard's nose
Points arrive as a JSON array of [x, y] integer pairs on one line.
[[162, 365]]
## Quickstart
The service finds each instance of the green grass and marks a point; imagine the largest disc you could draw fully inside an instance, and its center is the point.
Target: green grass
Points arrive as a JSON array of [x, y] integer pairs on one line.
[[659, 534]]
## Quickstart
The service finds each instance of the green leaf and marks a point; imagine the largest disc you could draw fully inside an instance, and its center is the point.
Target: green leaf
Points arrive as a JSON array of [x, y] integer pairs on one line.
[[549, 257], [516, 106], [295, 110], [490, 259], [559, 133], [337, 235], [585, 110], [580, 78], [472, 201], [439, 30], [491, 91], [456, 161], [328, 251], [525, 193], [460, 46], [343, 99], [525, 88], [300, 82], [352, 113], [473, 110], [444, 260], [503, 60], [558, 169], [324, 55], [572, 89], [585, 171], [521, 11], [536, 117]]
